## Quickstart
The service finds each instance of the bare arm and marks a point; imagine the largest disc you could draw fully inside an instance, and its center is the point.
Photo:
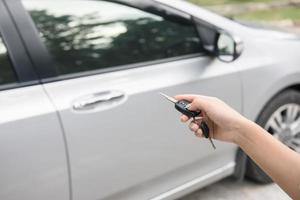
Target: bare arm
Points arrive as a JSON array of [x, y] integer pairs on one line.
[[278, 161]]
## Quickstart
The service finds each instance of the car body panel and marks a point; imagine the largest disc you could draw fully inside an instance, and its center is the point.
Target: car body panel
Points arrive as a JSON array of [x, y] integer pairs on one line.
[[116, 152], [32, 149], [273, 72]]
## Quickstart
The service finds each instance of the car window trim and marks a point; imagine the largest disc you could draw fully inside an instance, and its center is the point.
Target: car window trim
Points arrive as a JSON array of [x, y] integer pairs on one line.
[[157, 8], [121, 68], [20, 63], [48, 74], [11, 86]]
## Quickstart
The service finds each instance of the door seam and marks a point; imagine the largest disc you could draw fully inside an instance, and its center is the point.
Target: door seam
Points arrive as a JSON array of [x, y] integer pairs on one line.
[[65, 143]]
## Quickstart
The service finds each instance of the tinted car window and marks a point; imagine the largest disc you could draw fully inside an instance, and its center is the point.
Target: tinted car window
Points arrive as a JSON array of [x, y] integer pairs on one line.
[[90, 35], [7, 74]]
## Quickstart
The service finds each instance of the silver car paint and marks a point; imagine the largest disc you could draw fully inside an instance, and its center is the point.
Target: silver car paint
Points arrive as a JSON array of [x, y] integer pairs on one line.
[[128, 151], [275, 69], [32, 151], [146, 153]]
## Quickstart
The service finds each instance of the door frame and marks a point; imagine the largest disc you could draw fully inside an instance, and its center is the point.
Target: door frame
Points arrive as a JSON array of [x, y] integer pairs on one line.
[[35, 49], [17, 53]]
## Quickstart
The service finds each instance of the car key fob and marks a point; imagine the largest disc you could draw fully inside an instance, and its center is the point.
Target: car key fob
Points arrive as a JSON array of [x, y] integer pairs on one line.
[[183, 107]]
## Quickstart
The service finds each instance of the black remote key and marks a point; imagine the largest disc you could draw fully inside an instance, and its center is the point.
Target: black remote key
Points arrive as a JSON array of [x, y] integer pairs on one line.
[[183, 107]]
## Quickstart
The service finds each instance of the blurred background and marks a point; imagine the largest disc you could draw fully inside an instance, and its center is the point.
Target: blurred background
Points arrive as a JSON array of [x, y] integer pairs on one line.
[[282, 14]]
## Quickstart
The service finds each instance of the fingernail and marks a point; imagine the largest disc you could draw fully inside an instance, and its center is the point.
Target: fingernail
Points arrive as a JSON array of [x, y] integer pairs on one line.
[[188, 106], [197, 135]]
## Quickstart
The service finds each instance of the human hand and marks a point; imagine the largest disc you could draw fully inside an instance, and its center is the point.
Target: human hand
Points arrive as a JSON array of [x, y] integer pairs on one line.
[[223, 121]]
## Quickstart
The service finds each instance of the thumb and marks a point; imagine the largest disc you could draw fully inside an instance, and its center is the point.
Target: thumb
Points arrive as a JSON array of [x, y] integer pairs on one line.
[[193, 106], [188, 97], [198, 104]]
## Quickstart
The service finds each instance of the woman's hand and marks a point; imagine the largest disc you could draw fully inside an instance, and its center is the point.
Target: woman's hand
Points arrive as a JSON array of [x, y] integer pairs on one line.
[[228, 125], [224, 123]]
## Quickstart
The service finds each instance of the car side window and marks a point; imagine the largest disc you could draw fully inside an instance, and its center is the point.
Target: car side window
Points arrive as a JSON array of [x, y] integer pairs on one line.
[[7, 74], [89, 35]]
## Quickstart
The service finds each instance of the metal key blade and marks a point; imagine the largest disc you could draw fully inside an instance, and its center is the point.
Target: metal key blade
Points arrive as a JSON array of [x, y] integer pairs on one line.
[[168, 97], [212, 143]]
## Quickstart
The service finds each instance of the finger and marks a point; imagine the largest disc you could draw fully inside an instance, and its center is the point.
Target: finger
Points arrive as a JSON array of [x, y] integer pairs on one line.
[[198, 120], [188, 97], [199, 133], [199, 103], [184, 118], [193, 127]]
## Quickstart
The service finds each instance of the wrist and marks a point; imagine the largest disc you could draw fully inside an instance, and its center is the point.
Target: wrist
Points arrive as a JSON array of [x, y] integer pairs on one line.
[[241, 130]]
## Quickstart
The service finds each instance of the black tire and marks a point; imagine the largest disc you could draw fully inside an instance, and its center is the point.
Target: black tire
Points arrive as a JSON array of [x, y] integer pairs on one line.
[[253, 172]]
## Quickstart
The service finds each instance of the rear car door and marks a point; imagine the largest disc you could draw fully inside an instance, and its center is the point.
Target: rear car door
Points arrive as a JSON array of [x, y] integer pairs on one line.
[[109, 63], [32, 151]]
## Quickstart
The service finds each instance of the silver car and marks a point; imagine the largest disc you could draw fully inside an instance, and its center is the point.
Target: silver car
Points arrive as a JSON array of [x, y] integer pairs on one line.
[[81, 117]]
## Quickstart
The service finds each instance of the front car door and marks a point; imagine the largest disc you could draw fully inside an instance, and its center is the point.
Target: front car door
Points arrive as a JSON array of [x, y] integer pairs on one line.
[[124, 140]]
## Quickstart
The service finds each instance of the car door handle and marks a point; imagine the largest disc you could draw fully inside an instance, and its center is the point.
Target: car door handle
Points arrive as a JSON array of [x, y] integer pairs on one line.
[[92, 101]]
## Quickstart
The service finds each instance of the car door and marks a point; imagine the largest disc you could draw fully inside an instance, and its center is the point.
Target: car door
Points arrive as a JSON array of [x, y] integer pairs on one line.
[[32, 151], [110, 61]]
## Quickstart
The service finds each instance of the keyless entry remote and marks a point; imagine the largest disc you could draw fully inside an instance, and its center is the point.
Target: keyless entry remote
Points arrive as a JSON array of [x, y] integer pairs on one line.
[[183, 107]]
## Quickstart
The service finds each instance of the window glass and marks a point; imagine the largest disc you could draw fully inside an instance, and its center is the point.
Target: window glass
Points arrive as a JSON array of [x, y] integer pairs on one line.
[[7, 74], [90, 35]]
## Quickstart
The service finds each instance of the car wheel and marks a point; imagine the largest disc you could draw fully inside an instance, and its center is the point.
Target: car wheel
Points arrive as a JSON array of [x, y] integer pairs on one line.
[[281, 118]]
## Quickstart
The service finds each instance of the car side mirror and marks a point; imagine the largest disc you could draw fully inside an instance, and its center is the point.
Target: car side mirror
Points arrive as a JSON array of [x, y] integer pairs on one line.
[[227, 47]]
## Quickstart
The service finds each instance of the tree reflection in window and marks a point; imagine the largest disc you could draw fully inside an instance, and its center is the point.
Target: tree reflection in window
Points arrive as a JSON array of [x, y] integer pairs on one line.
[[7, 74], [90, 40]]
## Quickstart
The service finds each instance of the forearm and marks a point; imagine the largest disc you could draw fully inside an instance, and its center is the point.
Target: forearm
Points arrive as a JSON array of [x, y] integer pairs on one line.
[[278, 161]]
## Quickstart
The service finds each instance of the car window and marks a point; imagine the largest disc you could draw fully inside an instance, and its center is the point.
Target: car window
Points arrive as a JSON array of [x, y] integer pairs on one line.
[[7, 74], [91, 35]]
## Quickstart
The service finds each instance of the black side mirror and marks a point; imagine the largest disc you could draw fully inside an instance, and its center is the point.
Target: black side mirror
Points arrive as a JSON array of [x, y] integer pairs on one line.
[[227, 47]]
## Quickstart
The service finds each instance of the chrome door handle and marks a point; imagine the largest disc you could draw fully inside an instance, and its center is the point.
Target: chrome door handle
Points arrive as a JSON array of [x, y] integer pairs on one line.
[[98, 98]]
